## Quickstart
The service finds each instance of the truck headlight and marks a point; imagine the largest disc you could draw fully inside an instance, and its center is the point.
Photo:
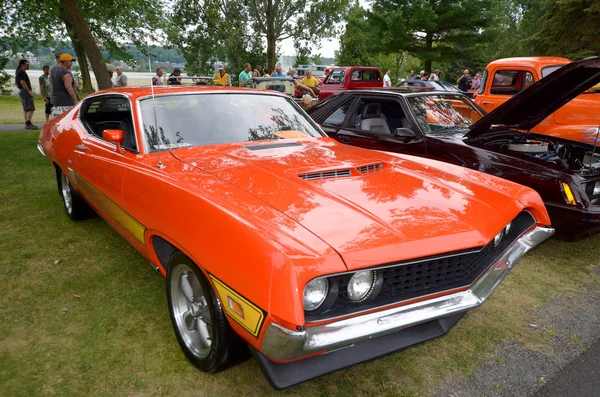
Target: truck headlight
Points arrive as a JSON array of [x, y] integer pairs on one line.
[[315, 293]]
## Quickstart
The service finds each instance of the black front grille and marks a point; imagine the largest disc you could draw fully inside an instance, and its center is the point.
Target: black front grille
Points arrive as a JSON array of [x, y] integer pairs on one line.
[[425, 276]]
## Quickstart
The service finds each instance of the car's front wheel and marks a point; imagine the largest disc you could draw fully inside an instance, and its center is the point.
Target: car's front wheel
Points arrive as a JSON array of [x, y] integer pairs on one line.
[[75, 206], [201, 327]]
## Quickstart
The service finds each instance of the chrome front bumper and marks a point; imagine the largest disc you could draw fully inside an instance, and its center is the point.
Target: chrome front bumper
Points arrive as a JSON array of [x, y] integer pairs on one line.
[[283, 344], [41, 149]]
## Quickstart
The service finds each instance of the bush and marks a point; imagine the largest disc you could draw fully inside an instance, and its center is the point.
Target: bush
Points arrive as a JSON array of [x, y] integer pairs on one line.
[[5, 78]]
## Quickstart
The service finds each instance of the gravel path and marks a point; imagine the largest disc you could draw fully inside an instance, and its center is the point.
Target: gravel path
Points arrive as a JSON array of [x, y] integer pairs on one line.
[[567, 326]]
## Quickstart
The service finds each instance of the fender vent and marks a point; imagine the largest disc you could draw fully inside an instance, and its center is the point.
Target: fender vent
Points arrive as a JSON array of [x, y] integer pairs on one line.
[[325, 175], [370, 168]]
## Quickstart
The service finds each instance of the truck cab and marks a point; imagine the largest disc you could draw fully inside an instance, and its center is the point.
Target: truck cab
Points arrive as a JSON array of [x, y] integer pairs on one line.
[[350, 78], [504, 78]]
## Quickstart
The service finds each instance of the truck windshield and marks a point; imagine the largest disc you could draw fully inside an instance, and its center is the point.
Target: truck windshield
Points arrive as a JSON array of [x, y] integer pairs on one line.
[[549, 69], [439, 114]]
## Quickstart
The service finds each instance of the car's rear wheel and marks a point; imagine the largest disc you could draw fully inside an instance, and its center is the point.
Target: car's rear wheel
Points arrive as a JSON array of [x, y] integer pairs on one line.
[[75, 206], [201, 327]]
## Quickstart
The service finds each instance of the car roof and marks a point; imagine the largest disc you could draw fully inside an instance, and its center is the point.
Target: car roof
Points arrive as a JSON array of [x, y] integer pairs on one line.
[[400, 91], [528, 61], [144, 91]]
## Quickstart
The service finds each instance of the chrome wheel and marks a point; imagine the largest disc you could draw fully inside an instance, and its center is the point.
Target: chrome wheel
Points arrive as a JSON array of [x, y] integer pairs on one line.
[[191, 311], [65, 189]]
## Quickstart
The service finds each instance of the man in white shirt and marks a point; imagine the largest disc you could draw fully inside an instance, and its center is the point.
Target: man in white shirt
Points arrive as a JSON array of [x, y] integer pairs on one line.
[[435, 76], [158, 79], [387, 82]]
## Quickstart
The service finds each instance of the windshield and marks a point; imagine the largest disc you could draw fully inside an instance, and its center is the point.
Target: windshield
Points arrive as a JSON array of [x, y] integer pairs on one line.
[[549, 69], [212, 119], [437, 114]]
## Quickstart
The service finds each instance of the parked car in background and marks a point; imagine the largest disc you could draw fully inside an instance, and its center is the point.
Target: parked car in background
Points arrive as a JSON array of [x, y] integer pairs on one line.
[[350, 78], [430, 85], [316, 255], [505, 78], [451, 128]]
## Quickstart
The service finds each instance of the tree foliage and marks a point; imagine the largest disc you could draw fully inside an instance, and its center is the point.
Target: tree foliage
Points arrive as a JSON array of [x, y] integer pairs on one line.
[[569, 28], [230, 30], [111, 23], [430, 29], [211, 31]]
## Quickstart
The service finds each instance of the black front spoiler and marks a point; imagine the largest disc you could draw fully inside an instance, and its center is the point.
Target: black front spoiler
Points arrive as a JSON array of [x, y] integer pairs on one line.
[[283, 375]]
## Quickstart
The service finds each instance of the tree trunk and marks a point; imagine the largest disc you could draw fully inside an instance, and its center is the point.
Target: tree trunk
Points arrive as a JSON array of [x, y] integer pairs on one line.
[[81, 59], [271, 36], [271, 58], [74, 17], [428, 48]]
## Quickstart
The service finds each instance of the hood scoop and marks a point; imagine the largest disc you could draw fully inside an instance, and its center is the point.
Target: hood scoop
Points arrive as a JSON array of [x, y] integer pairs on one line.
[[370, 168], [326, 174], [363, 169]]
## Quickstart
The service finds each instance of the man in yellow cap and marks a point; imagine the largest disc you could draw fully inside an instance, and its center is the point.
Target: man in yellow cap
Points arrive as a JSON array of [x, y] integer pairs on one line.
[[64, 92]]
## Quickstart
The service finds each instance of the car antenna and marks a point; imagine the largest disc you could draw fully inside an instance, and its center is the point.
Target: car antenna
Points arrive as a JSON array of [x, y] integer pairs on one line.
[[160, 165]]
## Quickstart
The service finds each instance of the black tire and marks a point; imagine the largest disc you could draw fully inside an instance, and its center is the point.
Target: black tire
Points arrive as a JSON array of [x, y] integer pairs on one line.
[[74, 204], [226, 347]]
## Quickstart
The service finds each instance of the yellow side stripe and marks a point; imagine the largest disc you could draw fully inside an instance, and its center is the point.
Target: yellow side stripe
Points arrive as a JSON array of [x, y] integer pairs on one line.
[[136, 229], [251, 318]]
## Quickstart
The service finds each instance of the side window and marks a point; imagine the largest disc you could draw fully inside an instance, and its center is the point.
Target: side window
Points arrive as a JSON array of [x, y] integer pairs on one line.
[[336, 119], [511, 82], [483, 82], [378, 116], [109, 112]]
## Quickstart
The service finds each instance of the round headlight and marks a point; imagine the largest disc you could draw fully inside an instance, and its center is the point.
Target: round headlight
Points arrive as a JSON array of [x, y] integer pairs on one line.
[[360, 285], [507, 228], [315, 293]]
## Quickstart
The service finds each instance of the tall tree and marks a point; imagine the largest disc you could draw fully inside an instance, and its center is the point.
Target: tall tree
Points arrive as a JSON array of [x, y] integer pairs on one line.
[[569, 28], [430, 29], [278, 20], [110, 22], [216, 30]]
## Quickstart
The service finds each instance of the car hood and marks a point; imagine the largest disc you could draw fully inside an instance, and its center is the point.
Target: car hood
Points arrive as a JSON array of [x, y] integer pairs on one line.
[[371, 207], [528, 108]]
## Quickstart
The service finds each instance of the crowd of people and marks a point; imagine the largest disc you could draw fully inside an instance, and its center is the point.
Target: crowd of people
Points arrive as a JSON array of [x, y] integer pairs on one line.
[[58, 87]]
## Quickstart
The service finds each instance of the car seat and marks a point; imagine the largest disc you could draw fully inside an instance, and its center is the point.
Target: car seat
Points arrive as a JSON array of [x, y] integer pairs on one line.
[[373, 120]]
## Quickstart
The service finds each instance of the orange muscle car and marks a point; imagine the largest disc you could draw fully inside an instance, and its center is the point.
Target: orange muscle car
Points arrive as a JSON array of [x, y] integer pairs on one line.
[[273, 236]]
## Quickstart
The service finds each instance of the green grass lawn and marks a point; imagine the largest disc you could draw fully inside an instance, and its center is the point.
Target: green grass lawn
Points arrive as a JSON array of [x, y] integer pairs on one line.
[[82, 314], [11, 110]]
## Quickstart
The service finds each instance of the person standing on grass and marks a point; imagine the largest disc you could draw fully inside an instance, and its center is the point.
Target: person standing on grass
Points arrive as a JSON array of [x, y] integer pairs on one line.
[[62, 94], [45, 90], [121, 79], [25, 93]]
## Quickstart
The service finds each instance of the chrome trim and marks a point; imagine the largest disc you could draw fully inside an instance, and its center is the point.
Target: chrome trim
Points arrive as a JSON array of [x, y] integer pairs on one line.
[[41, 149], [281, 343]]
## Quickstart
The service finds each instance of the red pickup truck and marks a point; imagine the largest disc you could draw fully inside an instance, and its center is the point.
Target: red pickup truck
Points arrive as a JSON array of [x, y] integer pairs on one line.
[[350, 78], [578, 120]]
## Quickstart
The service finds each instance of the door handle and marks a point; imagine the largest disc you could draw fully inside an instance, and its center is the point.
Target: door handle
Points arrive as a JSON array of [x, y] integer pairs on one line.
[[81, 147], [487, 103], [344, 139]]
